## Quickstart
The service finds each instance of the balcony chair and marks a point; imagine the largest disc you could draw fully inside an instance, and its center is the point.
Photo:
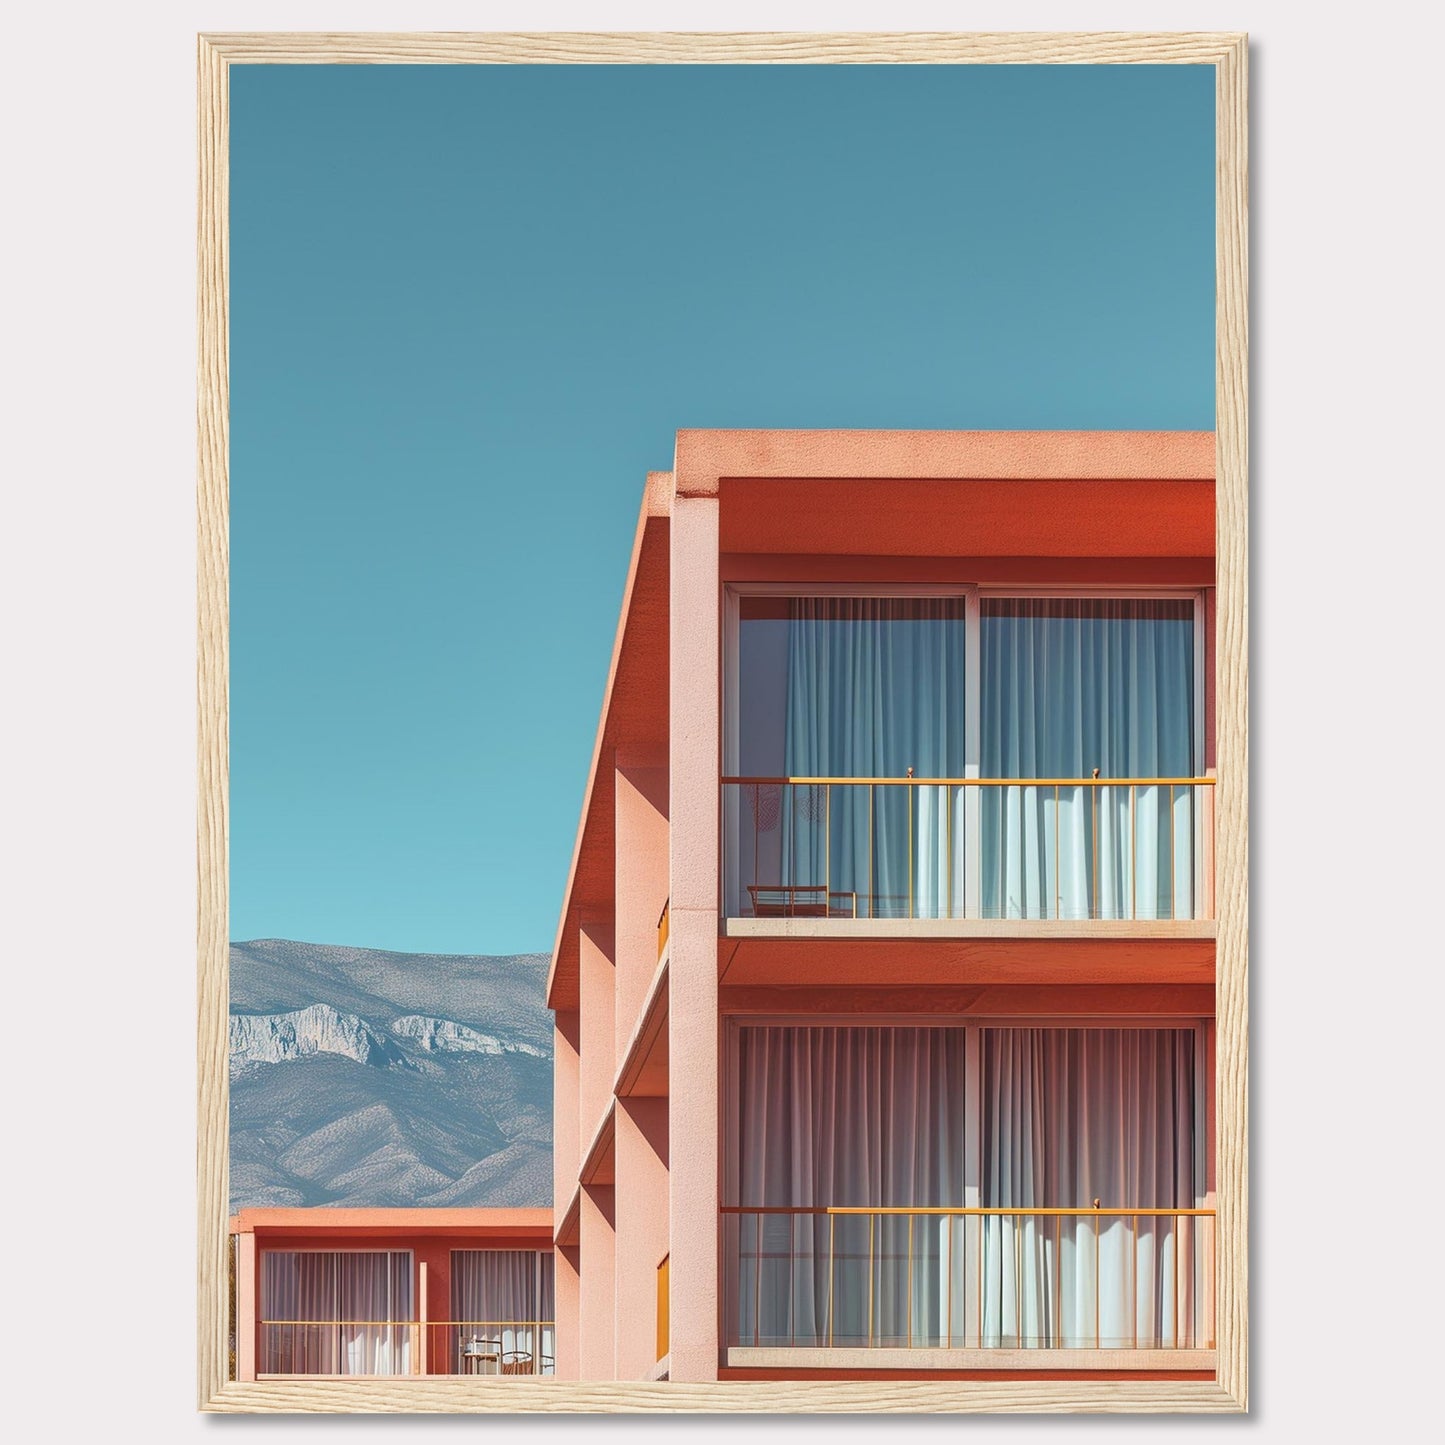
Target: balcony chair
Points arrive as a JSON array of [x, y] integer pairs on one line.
[[801, 900]]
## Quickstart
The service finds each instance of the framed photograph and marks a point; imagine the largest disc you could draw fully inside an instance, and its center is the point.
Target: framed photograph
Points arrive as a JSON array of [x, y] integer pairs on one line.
[[852, 1015]]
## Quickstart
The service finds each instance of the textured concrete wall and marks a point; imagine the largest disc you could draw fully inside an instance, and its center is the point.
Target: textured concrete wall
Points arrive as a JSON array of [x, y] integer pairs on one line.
[[693, 947]]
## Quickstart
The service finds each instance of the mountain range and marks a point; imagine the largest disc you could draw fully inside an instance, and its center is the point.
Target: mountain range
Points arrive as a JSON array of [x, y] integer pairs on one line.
[[362, 1077]]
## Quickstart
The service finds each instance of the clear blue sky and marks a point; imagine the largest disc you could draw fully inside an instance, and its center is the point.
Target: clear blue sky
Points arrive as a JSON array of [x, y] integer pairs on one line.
[[471, 305]]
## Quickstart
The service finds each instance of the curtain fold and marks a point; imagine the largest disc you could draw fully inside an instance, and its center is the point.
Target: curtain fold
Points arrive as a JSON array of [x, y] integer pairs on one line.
[[336, 1312], [1071, 685], [847, 1117], [873, 1118], [1071, 1116], [504, 1296], [875, 687]]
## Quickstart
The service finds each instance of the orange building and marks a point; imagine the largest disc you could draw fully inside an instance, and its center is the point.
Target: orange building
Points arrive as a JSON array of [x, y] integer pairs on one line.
[[345, 1292], [884, 981]]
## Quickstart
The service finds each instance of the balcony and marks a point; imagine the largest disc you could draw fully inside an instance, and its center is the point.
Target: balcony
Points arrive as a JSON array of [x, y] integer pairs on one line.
[[966, 761], [1022, 1288], [968, 1195], [1005, 850], [407, 1347], [420, 1310]]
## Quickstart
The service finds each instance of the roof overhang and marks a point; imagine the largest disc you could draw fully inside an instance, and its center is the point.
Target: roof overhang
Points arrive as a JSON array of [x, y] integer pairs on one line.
[[340, 1223], [634, 710], [979, 494]]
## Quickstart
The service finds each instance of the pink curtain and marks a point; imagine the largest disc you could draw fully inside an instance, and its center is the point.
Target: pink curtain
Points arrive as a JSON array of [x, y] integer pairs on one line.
[[336, 1312], [505, 1296], [872, 1118], [1070, 1116], [851, 1117]]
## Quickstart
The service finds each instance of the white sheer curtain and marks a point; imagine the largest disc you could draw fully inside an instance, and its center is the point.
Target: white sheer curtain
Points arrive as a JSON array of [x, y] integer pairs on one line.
[[1069, 685], [505, 1296], [336, 1312], [1070, 1116], [850, 1117], [875, 687]]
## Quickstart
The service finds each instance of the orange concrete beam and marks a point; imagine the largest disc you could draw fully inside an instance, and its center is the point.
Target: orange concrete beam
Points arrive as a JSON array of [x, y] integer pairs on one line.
[[868, 963], [983, 518], [393, 1223], [962, 569], [1193, 1001]]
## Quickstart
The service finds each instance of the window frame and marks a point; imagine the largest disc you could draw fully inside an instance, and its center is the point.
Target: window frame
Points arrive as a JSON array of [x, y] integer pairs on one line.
[[1202, 1026], [541, 1326], [973, 595], [413, 1285]]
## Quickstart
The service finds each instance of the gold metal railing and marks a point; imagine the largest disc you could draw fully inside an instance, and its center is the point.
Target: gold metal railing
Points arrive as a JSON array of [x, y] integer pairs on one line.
[[662, 927], [663, 1306], [985, 1278], [984, 848], [338, 1347], [394, 1347]]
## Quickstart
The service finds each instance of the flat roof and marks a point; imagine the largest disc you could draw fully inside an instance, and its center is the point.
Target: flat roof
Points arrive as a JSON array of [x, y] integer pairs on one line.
[[324, 1220]]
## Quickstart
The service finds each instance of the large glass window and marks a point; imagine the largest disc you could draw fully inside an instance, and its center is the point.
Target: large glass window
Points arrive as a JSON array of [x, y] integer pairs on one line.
[[503, 1309], [1071, 1116], [883, 768], [1076, 689], [336, 1312], [967, 1185], [843, 1117], [855, 689]]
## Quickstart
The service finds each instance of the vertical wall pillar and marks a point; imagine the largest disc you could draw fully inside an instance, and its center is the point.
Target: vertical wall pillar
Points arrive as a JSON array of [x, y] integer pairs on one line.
[[642, 865], [421, 1332], [566, 1126], [694, 757], [567, 1293], [641, 1133], [596, 1220], [566, 1160], [433, 1302], [642, 1240], [247, 1316], [596, 1298], [597, 990]]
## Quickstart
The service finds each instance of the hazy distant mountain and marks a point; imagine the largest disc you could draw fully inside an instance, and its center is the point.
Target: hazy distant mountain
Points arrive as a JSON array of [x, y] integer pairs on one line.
[[360, 1077]]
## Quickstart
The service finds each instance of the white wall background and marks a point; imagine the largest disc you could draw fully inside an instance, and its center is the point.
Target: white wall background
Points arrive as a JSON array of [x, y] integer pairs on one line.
[[96, 702]]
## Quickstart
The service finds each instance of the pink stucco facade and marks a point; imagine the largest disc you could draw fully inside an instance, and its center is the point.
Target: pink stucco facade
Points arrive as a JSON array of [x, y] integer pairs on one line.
[[409, 1329], [662, 955]]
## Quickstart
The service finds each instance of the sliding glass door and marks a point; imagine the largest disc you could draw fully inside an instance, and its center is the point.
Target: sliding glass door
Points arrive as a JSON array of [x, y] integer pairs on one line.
[[1075, 689], [967, 1185], [858, 694], [503, 1310], [336, 1312], [842, 1118], [963, 756], [1068, 1117]]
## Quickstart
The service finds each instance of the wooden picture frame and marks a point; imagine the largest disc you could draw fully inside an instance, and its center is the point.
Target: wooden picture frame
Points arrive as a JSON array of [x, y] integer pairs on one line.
[[1228, 54]]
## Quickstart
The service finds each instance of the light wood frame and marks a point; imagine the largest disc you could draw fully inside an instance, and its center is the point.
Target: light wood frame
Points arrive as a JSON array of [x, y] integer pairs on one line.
[[1228, 54]]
